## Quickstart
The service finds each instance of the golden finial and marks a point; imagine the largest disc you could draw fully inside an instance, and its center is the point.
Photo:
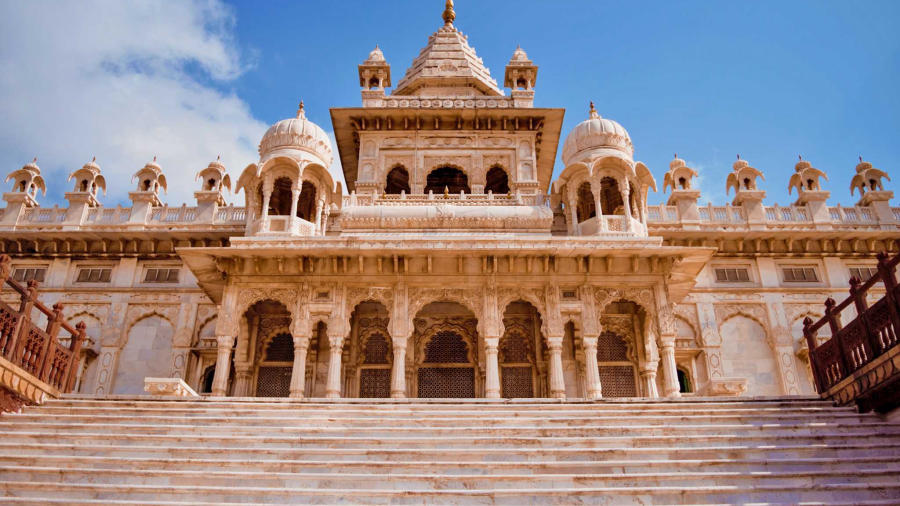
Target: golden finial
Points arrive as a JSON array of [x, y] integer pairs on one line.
[[593, 112], [300, 112], [34, 160], [449, 14], [218, 157]]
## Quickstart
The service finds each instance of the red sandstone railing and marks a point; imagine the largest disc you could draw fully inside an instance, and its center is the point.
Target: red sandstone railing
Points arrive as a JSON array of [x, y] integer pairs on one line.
[[38, 351], [873, 332]]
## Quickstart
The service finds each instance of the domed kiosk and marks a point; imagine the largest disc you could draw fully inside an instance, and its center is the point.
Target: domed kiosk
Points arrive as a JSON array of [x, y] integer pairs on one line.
[[289, 190]]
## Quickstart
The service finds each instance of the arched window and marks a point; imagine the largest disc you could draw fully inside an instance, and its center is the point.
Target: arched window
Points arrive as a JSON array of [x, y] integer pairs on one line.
[[454, 180], [280, 200], [611, 197], [397, 181], [206, 381], [586, 208], [306, 203], [497, 181]]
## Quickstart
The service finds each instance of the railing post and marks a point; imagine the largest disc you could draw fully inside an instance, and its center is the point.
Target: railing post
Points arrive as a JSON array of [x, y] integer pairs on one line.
[[54, 321], [862, 307], [836, 334], [25, 308], [75, 346], [812, 344], [886, 272]]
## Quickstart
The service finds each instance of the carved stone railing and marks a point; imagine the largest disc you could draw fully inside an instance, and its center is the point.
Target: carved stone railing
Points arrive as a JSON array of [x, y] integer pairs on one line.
[[466, 199], [166, 214], [30, 349], [792, 214], [861, 361]]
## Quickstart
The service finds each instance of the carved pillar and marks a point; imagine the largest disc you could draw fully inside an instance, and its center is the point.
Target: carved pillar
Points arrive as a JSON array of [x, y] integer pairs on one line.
[[492, 368], [648, 379], [601, 223], [298, 370], [573, 215], [223, 365], [295, 196], [591, 370], [242, 375], [333, 385], [557, 380], [626, 201], [320, 205], [670, 372], [398, 369]]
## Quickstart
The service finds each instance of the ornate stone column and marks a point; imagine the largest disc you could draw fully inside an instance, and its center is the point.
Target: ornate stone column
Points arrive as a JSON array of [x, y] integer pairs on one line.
[[648, 379], [268, 186], [601, 223], [223, 365], [670, 371], [557, 380], [320, 206], [295, 195], [492, 368], [333, 385], [626, 203], [242, 375], [298, 370], [591, 370], [398, 369]]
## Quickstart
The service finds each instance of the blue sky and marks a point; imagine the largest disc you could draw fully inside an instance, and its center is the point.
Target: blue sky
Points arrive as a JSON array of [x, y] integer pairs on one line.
[[707, 80]]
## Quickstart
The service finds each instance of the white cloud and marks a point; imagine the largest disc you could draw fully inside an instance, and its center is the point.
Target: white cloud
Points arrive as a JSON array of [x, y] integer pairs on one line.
[[122, 81]]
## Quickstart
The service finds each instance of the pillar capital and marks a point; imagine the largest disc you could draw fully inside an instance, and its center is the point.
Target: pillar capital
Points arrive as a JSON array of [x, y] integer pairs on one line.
[[336, 341], [225, 341], [300, 340]]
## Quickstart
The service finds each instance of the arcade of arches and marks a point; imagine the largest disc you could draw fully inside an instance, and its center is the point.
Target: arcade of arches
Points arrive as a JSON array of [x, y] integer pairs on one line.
[[443, 357]]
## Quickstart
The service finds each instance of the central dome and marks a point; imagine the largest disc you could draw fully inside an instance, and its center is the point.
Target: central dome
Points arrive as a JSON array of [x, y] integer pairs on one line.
[[297, 133], [596, 134]]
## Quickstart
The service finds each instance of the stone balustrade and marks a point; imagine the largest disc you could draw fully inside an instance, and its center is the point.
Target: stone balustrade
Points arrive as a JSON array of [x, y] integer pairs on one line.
[[61, 218]]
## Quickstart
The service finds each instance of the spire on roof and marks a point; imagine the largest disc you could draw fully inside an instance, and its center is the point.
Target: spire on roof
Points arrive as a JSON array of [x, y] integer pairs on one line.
[[449, 14]]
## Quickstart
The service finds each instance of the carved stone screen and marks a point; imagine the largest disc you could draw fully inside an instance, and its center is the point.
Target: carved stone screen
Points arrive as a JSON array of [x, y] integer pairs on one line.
[[618, 381], [447, 347], [280, 349], [377, 350], [447, 382], [375, 383], [517, 382], [273, 382], [616, 368]]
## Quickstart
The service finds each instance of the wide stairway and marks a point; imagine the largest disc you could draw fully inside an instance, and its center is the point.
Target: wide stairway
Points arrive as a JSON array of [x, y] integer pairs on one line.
[[80, 450]]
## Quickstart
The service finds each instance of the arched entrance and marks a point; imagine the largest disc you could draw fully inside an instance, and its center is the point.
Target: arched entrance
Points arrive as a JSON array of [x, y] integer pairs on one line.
[[371, 357], [273, 377], [516, 354], [445, 354], [617, 352]]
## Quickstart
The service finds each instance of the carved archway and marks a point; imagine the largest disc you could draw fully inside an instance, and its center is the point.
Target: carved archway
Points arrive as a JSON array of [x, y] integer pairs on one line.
[[445, 352]]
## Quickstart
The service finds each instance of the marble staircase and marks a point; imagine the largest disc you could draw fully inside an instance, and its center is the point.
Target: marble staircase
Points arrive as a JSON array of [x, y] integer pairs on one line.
[[154, 450]]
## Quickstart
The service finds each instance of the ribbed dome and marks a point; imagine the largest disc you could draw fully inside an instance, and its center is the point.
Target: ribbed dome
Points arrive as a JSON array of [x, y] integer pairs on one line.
[[297, 133], [376, 55], [596, 132]]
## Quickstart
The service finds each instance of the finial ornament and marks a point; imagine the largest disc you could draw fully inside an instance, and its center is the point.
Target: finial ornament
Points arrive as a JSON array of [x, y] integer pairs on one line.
[[300, 112], [449, 15], [593, 112], [154, 158], [93, 159], [34, 160], [739, 156], [860, 158]]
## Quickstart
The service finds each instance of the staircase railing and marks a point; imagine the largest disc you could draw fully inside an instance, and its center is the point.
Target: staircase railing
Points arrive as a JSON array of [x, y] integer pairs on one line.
[[872, 333], [37, 350]]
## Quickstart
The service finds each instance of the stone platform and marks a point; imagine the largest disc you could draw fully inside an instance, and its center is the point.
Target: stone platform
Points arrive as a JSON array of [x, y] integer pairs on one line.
[[175, 450]]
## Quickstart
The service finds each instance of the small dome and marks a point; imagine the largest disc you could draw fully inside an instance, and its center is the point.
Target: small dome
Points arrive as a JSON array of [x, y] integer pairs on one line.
[[519, 54], [676, 163], [92, 166], [375, 56], [32, 166], [297, 133], [739, 164], [216, 164], [862, 166], [596, 132]]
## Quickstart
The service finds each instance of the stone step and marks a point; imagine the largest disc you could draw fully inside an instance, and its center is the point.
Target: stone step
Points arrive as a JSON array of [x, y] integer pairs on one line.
[[441, 442], [434, 481], [770, 465], [847, 492], [252, 417], [824, 449], [156, 426]]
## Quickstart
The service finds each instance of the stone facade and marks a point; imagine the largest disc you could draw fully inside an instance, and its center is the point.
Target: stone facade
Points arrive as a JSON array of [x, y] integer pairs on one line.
[[453, 265]]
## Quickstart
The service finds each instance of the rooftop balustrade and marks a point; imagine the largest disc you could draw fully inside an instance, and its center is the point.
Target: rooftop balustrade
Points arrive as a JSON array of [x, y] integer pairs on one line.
[[467, 199]]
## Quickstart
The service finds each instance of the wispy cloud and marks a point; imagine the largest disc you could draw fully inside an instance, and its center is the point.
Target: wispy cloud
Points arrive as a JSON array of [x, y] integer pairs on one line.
[[123, 82]]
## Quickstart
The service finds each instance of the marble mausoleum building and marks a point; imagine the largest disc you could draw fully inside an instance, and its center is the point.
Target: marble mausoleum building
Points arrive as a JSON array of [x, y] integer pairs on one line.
[[453, 264]]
